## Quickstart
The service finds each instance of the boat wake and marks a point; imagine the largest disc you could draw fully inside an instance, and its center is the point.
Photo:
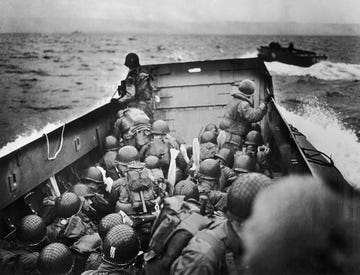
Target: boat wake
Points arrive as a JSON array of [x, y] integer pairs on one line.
[[328, 134], [325, 70], [249, 55]]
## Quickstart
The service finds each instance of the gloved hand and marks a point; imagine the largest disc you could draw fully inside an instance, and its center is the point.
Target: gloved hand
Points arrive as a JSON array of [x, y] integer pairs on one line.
[[268, 98]]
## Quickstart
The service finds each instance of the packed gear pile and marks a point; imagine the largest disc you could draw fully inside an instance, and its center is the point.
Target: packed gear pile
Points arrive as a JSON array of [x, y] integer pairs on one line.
[[155, 205]]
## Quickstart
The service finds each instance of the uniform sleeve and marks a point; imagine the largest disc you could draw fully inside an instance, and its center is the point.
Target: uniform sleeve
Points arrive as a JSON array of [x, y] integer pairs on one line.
[[252, 114]]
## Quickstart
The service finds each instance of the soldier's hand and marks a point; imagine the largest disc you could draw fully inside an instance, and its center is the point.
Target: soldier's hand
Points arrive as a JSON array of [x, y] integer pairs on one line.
[[268, 98]]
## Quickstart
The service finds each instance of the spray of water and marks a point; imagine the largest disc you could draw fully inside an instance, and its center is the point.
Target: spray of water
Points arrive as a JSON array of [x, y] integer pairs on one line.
[[327, 133], [324, 70], [27, 137]]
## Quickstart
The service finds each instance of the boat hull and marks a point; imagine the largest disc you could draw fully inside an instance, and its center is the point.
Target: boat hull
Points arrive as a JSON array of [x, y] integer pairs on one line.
[[192, 94], [294, 57]]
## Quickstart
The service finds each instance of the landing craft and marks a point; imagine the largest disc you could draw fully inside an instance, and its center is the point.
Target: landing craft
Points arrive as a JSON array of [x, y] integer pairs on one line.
[[289, 55], [192, 94]]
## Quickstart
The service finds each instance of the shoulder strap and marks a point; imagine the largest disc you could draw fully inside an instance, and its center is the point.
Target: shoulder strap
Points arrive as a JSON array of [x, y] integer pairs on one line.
[[209, 237]]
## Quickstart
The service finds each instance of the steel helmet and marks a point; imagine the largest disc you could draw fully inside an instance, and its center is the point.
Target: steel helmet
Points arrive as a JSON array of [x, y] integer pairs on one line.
[[211, 127], [208, 136], [108, 222], [303, 213], [209, 169], [121, 245], [55, 258], [31, 230], [152, 162], [92, 174], [227, 156], [242, 193], [132, 61], [128, 154], [111, 143], [244, 163], [247, 87], [256, 127], [160, 127], [188, 189], [254, 138], [82, 190], [67, 204]]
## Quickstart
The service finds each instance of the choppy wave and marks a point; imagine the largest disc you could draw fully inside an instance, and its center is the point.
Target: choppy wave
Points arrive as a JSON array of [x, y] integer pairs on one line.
[[328, 134], [27, 137], [325, 70]]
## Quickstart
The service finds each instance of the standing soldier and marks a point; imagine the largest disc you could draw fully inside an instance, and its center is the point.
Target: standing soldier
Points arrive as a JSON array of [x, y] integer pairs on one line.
[[137, 90], [240, 113]]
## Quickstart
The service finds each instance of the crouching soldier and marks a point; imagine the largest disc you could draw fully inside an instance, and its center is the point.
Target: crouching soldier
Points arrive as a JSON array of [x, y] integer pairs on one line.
[[120, 250], [108, 222], [178, 221], [132, 127], [255, 147], [21, 255], [208, 178], [55, 258], [108, 161], [93, 178], [219, 248], [71, 222], [226, 160], [136, 193]]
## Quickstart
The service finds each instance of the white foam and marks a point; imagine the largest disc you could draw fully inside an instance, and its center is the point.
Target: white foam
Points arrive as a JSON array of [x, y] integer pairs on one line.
[[33, 134], [323, 70], [327, 133], [249, 55], [27, 137]]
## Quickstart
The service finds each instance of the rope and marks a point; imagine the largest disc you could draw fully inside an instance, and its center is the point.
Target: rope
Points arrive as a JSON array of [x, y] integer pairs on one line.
[[60, 146], [311, 157]]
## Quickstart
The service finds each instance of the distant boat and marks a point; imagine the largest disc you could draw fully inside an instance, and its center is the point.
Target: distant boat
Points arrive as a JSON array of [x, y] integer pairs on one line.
[[289, 55], [76, 32]]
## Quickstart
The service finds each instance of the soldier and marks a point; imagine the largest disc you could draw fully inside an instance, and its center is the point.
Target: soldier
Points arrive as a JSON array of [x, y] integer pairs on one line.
[[218, 249], [208, 147], [226, 160], [136, 193], [300, 227], [133, 127], [108, 161], [254, 147], [93, 178], [208, 178], [71, 222], [55, 258], [20, 256], [240, 113], [169, 238], [243, 163], [160, 146], [137, 90], [108, 222], [120, 249], [94, 205]]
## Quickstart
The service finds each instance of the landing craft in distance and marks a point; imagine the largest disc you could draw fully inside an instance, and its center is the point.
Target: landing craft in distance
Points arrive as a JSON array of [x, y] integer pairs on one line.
[[289, 55]]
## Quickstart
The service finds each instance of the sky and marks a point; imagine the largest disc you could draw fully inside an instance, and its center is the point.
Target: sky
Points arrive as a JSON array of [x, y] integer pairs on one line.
[[301, 11]]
